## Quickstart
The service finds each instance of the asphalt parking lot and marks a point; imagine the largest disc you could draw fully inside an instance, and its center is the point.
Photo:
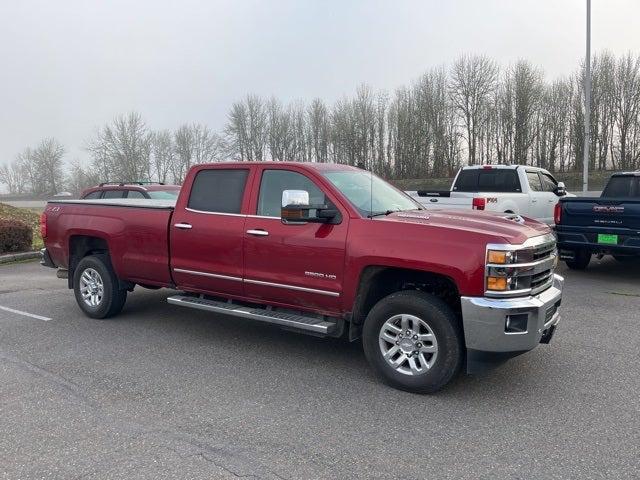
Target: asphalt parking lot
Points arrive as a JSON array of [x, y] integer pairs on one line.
[[163, 392]]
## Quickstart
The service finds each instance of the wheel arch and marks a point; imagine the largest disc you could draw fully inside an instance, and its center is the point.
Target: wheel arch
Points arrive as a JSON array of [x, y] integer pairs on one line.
[[81, 246], [377, 282]]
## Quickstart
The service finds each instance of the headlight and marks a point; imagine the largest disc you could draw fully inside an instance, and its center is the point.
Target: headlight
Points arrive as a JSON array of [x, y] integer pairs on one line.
[[500, 257], [516, 270]]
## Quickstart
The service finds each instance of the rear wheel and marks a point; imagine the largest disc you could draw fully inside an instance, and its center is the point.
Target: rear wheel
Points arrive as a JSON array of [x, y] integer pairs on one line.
[[96, 287], [580, 260], [413, 341]]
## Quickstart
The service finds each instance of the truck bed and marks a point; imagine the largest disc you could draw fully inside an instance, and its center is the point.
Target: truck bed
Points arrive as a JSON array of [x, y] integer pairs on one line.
[[123, 202], [134, 230]]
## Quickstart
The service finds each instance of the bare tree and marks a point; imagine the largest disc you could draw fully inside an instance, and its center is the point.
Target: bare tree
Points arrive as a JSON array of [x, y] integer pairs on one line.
[[627, 108], [163, 158], [14, 176], [48, 161], [473, 80], [121, 151]]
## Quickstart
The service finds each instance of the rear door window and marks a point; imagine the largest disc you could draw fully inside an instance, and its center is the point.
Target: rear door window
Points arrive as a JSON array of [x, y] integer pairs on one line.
[[218, 190], [135, 194], [114, 193]]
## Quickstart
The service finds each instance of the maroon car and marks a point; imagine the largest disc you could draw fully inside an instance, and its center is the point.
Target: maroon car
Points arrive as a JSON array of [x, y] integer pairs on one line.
[[158, 191]]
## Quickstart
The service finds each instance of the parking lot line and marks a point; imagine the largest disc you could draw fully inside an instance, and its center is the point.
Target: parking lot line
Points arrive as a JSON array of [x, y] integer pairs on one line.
[[26, 314]]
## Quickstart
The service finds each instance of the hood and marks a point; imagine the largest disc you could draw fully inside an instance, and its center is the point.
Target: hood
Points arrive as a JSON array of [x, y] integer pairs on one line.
[[513, 229]]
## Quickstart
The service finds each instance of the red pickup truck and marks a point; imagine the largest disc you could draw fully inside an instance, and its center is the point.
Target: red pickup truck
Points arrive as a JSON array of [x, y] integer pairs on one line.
[[325, 249]]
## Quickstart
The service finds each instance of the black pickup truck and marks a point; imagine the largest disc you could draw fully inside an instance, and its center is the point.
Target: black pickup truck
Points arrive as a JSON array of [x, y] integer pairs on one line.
[[605, 225]]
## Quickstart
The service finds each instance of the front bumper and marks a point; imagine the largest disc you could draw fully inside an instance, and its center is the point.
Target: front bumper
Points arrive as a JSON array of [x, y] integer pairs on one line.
[[485, 321]]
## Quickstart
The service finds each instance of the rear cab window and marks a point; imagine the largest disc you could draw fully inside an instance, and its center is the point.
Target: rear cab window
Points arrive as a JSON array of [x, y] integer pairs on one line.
[[500, 180], [218, 190], [627, 186], [93, 195]]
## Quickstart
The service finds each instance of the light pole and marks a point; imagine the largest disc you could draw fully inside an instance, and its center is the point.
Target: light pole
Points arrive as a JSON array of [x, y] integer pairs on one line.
[[587, 104]]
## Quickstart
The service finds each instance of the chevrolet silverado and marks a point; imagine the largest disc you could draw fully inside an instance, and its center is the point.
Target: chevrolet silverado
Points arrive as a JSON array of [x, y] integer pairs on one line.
[[324, 249]]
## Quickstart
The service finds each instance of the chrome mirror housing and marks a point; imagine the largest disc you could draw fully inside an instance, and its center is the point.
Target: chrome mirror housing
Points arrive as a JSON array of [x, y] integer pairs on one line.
[[298, 198]]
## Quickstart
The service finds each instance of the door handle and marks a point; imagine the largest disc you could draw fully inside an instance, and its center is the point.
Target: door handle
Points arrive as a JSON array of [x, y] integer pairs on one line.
[[258, 233], [533, 200], [183, 226]]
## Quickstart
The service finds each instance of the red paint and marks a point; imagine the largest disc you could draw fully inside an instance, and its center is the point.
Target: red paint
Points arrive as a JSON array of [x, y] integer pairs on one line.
[[145, 246]]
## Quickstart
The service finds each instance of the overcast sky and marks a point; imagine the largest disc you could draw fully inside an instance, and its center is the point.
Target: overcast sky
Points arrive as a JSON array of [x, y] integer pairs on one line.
[[67, 67]]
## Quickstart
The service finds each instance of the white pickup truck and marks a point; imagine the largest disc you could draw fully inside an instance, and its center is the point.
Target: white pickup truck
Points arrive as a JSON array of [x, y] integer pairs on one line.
[[518, 189]]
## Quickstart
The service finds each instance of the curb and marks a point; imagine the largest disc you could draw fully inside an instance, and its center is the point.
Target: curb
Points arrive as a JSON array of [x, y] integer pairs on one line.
[[14, 257]]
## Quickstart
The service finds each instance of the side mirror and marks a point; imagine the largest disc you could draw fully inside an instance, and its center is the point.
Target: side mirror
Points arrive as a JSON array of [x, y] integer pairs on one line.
[[295, 198], [296, 209], [560, 189]]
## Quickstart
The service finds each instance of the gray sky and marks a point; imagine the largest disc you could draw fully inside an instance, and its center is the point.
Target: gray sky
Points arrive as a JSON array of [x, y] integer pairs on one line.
[[71, 66]]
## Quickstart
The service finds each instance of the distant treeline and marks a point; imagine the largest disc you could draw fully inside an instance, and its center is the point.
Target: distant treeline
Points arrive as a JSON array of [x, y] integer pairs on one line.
[[472, 112]]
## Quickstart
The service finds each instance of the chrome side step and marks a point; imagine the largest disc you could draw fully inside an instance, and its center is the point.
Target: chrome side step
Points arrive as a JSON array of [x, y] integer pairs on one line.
[[290, 320]]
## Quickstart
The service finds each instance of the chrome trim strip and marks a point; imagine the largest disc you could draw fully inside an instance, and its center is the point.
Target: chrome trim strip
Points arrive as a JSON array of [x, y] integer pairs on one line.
[[193, 210], [258, 282], [292, 287], [531, 242], [206, 274]]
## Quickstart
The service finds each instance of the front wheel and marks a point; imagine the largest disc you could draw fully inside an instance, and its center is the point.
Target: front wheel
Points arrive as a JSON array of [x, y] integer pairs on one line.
[[413, 341], [96, 287]]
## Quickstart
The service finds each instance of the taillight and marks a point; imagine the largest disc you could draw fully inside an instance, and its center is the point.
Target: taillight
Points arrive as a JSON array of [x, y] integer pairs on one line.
[[557, 213], [43, 225], [479, 203]]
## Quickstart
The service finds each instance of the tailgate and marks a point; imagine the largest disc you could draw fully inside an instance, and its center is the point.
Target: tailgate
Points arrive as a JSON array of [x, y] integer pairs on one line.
[[440, 200], [601, 212]]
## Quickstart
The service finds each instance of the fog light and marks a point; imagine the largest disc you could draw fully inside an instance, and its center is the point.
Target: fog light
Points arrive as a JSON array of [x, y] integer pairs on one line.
[[516, 323]]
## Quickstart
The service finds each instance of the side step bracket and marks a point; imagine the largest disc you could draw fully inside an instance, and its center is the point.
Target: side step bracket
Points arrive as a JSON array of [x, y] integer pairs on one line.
[[289, 320]]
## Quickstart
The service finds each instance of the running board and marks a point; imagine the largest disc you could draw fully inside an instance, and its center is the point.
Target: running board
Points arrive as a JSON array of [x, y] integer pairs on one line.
[[290, 320]]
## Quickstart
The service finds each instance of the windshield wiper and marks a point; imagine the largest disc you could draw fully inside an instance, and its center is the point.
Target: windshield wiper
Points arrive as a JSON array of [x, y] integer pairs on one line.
[[385, 213]]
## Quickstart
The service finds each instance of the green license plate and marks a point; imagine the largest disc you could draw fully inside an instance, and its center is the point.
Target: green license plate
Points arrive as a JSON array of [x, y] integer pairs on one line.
[[607, 239]]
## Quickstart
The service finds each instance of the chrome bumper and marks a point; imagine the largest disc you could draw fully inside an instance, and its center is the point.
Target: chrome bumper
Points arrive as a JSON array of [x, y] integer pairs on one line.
[[485, 320]]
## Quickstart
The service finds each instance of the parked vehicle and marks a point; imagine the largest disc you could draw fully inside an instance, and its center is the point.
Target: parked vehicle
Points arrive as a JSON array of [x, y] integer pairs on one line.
[[605, 225], [111, 190], [529, 191], [323, 249]]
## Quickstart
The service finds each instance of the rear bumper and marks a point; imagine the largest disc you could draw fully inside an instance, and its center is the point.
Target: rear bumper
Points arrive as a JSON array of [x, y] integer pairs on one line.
[[571, 239], [496, 329], [45, 259]]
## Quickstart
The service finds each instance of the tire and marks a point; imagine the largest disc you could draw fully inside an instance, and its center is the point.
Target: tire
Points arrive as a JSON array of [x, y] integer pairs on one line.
[[96, 287], [434, 317], [580, 261]]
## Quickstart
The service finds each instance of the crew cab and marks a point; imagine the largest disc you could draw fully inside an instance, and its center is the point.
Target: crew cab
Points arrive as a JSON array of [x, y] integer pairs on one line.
[[529, 191], [324, 249], [605, 225]]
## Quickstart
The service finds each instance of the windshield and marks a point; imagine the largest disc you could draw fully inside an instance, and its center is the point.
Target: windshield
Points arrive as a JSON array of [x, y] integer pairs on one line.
[[164, 194], [358, 186]]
